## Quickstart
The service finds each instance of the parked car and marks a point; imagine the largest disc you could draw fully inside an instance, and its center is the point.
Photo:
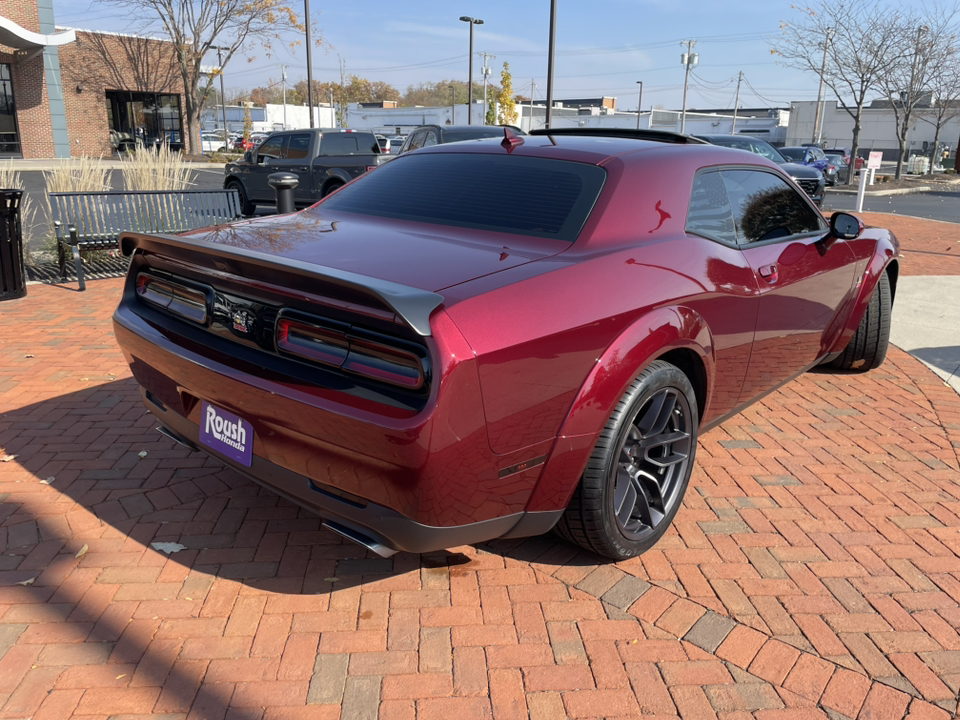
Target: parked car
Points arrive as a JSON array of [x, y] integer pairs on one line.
[[384, 144], [212, 142], [495, 338], [839, 162], [808, 178], [324, 160], [428, 135], [814, 157]]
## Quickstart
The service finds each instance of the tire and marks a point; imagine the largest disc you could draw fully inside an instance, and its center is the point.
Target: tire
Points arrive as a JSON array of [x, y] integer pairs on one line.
[[868, 346], [247, 208], [331, 188], [659, 410]]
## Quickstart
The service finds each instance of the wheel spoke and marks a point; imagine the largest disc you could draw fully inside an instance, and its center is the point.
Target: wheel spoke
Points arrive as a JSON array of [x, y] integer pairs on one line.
[[657, 416], [652, 490], [625, 496]]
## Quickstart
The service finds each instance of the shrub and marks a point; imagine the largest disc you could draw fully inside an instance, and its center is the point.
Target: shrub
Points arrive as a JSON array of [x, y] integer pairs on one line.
[[160, 169]]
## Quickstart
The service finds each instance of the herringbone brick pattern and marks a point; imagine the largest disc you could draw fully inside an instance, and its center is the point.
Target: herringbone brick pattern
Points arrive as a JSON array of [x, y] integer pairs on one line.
[[813, 572]]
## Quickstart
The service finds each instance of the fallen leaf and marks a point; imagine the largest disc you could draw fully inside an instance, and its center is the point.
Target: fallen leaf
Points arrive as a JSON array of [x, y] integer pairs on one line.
[[331, 579], [27, 582], [28, 356], [120, 676], [82, 551], [168, 547], [142, 453], [48, 480], [6, 458], [190, 599]]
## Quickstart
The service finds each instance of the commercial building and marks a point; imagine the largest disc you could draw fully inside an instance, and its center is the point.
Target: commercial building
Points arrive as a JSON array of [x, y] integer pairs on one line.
[[66, 92]]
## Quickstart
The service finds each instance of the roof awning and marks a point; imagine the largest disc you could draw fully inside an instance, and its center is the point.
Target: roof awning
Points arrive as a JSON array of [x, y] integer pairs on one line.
[[19, 38]]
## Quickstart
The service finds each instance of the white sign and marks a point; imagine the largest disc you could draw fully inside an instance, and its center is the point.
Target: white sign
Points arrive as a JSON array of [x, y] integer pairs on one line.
[[873, 161]]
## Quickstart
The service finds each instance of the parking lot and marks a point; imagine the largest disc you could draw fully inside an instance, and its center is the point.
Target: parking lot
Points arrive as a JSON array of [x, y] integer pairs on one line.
[[813, 572]]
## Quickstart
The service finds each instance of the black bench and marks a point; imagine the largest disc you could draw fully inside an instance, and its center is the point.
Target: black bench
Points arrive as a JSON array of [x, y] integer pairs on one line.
[[86, 221]]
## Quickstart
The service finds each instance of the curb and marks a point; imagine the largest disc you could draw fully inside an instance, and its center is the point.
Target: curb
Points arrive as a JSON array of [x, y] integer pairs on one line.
[[879, 193]]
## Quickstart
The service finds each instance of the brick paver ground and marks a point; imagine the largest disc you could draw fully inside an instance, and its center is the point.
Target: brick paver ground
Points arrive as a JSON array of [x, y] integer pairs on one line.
[[813, 572]]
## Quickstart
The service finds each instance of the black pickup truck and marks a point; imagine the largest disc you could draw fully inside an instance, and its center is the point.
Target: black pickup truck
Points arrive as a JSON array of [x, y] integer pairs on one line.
[[323, 158]]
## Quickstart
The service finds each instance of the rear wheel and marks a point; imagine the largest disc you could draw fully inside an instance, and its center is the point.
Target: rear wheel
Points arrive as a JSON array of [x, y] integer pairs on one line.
[[868, 346], [635, 480], [332, 187], [247, 208]]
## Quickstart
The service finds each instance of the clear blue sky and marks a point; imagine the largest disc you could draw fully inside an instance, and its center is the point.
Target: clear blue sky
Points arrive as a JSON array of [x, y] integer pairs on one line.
[[603, 47]]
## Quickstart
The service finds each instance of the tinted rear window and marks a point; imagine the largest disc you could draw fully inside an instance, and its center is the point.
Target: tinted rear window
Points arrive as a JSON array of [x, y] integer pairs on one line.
[[520, 195], [792, 153], [348, 144]]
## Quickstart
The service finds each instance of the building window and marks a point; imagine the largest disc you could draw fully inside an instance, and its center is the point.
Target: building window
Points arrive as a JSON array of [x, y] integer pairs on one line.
[[148, 118], [9, 137]]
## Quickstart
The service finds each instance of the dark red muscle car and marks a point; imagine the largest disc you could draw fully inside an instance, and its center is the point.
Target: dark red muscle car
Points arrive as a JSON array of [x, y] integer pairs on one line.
[[494, 338]]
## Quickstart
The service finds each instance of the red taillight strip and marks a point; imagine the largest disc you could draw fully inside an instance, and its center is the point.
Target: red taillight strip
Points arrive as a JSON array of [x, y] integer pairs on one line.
[[360, 356], [311, 341], [178, 299]]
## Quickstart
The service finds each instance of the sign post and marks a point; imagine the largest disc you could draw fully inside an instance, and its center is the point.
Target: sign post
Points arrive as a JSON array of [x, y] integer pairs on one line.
[[873, 162]]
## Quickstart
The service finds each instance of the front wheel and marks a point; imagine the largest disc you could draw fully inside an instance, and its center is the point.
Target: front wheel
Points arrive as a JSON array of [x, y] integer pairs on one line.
[[247, 208], [639, 470], [868, 346]]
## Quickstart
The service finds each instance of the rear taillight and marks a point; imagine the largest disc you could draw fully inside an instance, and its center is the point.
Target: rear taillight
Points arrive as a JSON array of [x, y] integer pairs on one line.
[[181, 300], [361, 356], [371, 167]]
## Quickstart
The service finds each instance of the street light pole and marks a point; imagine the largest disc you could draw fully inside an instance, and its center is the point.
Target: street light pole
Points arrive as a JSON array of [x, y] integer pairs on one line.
[[453, 105], [639, 102], [472, 21], [306, 24], [550, 53]]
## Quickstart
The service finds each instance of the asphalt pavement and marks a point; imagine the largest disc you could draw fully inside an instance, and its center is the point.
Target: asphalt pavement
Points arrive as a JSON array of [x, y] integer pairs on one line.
[[936, 205]]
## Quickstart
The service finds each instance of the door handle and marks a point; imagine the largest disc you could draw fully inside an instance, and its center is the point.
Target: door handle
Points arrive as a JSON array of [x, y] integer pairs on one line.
[[770, 273]]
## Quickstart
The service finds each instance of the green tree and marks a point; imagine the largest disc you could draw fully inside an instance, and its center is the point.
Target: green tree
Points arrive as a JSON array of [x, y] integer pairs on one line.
[[247, 122], [491, 116], [508, 106]]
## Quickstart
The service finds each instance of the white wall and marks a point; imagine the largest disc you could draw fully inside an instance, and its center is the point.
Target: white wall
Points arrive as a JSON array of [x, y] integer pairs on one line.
[[298, 116], [878, 129]]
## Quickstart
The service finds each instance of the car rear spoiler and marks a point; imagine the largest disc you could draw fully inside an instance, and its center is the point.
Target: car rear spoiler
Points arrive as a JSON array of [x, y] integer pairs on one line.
[[412, 305]]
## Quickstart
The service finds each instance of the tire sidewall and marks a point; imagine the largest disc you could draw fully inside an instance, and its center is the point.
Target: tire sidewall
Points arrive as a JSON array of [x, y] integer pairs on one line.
[[660, 375]]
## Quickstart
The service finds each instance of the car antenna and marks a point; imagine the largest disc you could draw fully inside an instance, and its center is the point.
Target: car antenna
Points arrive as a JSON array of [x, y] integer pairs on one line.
[[510, 139]]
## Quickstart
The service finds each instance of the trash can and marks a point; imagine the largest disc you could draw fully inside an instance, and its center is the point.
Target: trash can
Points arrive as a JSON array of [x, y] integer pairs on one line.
[[13, 281]]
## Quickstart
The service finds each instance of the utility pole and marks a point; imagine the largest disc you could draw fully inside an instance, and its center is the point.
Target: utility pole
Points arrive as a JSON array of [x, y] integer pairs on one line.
[[486, 73], [453, 105], [551, 51], [343, 82], [823, 71], [639, 102], [736, 104], [533, 89], [306, 24], [283, 78], [223, 95], [689, 60]]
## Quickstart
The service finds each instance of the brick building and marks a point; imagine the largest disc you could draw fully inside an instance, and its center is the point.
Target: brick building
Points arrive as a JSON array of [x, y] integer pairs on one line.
[[67, 92]]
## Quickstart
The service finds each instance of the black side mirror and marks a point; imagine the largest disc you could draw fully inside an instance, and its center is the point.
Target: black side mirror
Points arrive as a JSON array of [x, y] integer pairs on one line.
[[845, 226], [248, 157]]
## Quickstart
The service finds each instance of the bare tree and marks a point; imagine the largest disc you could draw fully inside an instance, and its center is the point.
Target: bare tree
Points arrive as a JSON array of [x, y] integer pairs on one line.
[[198, 27], [865, 41], [906, 83], [944, 89]]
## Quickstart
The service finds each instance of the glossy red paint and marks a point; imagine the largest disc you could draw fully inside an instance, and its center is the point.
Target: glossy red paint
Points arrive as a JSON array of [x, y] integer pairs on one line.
[[532, 346]]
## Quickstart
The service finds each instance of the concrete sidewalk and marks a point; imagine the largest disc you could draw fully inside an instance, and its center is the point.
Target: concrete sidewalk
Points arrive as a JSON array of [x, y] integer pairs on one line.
[[926, 323]]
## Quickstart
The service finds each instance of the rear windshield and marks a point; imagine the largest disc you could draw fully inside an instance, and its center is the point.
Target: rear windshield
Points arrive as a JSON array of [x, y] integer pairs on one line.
[[520, 195], [349, 144]]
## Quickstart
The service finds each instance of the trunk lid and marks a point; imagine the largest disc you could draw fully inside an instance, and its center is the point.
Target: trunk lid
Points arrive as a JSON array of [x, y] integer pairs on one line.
[[419, 255]]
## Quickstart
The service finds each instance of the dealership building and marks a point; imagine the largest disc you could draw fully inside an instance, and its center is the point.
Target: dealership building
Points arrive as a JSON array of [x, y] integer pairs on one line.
[[66, 92]]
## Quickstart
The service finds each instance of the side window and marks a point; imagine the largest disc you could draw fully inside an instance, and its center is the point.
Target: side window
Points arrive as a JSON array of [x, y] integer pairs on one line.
[[417, 140], [430, 138], [298, 147], [272, 148], [709, 214], [339, 144], [765, 207]]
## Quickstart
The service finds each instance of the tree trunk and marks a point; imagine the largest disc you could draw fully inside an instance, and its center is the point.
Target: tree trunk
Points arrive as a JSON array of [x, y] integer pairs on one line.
[[902, 132], [193, 125], [934, 151], [854, 150]]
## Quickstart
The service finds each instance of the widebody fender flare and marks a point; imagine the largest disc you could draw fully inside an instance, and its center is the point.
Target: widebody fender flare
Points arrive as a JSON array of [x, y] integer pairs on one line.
[[654, 335]]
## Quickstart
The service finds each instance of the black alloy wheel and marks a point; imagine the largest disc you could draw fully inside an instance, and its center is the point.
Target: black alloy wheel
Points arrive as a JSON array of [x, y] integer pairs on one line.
[[636, 478], [247, 208]]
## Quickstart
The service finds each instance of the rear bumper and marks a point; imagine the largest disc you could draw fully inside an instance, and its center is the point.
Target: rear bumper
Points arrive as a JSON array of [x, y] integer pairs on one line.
[[376, 527]]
